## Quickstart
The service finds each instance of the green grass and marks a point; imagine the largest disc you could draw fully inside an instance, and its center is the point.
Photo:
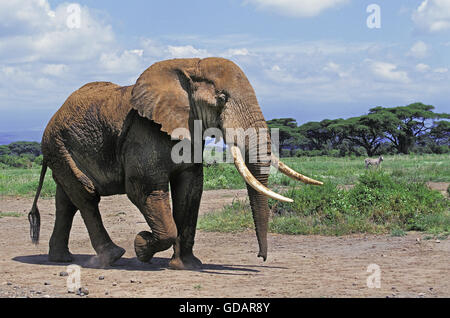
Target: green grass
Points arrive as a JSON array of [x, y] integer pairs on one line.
[[408, 172], [411, 168], [392, 199], [24, 182], [344, 171], [377, 204], [10, 214], [397, 232], [222, 176], [232, 218]]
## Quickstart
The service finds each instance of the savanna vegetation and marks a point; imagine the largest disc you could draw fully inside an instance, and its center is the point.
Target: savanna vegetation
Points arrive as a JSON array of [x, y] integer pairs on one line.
[[379, 202], [339, 171], [22, 154], [415, 143], [390, 199]]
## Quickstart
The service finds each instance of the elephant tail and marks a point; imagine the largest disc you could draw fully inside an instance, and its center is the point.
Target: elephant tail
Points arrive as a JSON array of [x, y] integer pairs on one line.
[[34, 216]]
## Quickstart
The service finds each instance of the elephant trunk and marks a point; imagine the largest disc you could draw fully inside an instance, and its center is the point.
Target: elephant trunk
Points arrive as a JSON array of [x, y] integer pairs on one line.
[[250, 137], [255, 165], [260, 209], [260, 169]]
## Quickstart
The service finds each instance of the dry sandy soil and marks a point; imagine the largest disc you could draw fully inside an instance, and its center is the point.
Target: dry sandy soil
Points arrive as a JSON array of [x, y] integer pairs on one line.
[[297, 266]]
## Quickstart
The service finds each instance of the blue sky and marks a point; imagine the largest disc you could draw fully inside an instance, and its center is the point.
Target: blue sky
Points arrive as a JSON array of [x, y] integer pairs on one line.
[[307, 59]]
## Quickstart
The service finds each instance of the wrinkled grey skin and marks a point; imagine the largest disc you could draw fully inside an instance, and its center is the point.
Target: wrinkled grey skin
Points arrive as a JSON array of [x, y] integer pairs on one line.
[[108, 140]]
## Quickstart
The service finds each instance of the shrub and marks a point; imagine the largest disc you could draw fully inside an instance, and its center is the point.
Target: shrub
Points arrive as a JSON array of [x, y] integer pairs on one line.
[[232, 218], [24, 161], [20, 154], [285, 153], [38, 160], [376, 204], [222, 176]]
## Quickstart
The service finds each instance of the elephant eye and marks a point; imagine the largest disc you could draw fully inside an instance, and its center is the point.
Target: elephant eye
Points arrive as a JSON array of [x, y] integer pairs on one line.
[[222, 98]]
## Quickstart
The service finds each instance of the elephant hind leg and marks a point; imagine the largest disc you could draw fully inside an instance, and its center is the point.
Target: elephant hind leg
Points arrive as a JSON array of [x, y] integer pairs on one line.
[[107, 252], [81, 192], [87, 202], [65, 211]]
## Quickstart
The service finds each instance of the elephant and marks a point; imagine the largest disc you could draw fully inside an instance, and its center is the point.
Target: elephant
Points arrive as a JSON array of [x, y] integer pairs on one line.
[[107, 140]]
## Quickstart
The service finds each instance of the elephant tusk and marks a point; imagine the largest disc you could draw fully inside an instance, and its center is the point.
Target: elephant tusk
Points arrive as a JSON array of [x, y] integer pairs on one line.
[[250, 179], [292, 173]]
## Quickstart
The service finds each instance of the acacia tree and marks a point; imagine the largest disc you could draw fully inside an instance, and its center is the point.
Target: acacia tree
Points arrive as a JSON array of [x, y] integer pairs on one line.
[[404, 124], [398, 127], [365, 131], [437, 140], [288, 131], [320, 135], [440, 132]]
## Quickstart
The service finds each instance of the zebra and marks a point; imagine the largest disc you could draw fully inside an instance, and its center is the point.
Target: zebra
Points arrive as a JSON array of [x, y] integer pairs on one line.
[[373, 162]]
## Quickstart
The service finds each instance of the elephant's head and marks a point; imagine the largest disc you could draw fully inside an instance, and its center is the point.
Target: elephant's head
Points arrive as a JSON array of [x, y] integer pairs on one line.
[[174, 93]]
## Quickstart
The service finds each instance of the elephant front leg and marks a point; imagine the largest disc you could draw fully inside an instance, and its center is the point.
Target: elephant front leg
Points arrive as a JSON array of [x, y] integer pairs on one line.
[[186, 188], [157, 213]]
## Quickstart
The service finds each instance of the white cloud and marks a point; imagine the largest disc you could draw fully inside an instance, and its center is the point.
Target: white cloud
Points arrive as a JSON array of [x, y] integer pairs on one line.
[[152, 48], [388, 71], [186, 51], [441, 70], [419, 50], [38, 48], [24, 80], [32, 32], [24, 17], [422, 67], [336, 69], [276, 68], [432, 16], [318, 48], [54, 69], [296, 8], [279, 75], [129, 61], [43, 60], [235, 52]]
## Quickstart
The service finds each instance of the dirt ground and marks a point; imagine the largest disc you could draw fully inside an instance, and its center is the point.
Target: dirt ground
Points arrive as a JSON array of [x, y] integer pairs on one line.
[[297, 266]]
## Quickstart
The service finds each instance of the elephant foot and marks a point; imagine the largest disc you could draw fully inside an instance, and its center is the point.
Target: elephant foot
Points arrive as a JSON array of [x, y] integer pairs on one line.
[[110, 255], [60, 256], [141, 246], [186, 262]]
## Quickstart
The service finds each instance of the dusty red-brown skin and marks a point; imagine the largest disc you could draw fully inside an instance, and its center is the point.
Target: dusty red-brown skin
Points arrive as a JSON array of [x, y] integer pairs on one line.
[[108, 140]]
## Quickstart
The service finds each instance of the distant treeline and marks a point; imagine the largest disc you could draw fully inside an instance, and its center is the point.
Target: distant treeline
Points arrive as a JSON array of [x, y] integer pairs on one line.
[[415, 128], [21, 154]]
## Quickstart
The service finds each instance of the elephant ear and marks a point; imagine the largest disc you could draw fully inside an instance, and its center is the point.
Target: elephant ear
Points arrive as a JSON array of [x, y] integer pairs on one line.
[[161, 93]]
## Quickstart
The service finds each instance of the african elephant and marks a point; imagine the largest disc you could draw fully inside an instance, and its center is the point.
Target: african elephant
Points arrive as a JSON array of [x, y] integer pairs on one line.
[[108, 140]]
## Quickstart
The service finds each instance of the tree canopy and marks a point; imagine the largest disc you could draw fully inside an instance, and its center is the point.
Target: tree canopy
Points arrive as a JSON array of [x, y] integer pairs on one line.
[[21, 147], [382, 129], [288, 131], [404, 124], [365, 131]]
